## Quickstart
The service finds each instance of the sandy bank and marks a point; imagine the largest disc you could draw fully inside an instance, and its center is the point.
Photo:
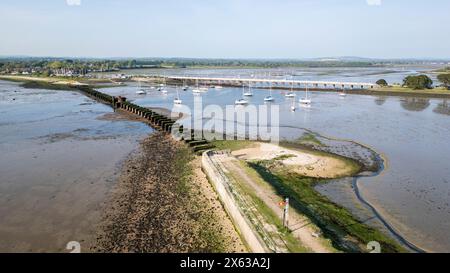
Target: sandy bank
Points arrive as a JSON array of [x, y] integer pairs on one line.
[[301, 162]]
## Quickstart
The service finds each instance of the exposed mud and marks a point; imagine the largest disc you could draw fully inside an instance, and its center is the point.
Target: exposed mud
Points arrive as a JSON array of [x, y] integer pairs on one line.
[[161, 206]]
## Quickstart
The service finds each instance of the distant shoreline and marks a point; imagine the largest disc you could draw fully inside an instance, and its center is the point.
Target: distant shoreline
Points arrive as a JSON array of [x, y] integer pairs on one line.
[[60, 82]]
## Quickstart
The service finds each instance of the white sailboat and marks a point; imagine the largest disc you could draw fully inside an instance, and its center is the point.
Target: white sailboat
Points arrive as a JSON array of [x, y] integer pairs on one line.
[[342, 93], [162, 86], [306, 101], [293, 106], [163, 89], [291, 94], [177, 100], [218, 86], [140, 89], [242, 101], [269, 98], [249, 92], [196, 90], [185, 87]]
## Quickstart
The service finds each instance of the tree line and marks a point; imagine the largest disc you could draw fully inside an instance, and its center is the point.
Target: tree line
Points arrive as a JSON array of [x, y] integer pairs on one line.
[[420, 82]]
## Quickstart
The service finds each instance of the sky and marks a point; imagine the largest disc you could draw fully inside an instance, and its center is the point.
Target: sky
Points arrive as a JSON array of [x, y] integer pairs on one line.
[[226, 28]]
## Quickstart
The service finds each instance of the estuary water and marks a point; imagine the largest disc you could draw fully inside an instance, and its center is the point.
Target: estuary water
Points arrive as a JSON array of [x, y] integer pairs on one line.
[[60, 154]]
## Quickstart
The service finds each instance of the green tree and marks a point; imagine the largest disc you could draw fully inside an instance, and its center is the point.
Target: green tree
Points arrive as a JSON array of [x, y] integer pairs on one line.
[[418, 82], [445, 79], [132, 63], [382, 82], [55, 65]]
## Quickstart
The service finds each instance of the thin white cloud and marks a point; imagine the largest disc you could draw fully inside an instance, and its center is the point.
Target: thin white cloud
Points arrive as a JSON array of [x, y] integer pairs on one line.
[[73, 2], [374, 2]]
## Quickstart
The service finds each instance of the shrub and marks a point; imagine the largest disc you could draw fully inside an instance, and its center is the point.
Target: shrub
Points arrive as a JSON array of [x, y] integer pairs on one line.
[[418, 82], [382, 82]]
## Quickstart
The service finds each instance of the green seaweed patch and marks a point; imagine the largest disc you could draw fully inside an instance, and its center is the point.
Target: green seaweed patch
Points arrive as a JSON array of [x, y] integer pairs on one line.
[[345, 231], [309, 138], [45, 85], [233, 145]]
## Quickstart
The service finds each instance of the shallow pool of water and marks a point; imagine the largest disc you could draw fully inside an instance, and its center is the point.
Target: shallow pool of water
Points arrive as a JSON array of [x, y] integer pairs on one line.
[[58, 160]]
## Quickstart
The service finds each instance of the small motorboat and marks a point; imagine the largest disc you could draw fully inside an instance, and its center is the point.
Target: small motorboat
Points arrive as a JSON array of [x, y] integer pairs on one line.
[[241, 102], [141, 92], [305, 101], [290, 95], [269, 99]]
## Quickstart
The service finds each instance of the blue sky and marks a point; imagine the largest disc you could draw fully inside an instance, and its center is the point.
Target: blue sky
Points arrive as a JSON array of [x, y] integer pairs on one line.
[[226, 28]]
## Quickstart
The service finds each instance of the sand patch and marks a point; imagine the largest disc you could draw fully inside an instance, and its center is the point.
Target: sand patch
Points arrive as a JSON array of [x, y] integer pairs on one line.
[[301, 162]]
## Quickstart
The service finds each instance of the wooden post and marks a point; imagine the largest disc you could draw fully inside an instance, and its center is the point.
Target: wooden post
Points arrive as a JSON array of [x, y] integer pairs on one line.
[[286, 213]]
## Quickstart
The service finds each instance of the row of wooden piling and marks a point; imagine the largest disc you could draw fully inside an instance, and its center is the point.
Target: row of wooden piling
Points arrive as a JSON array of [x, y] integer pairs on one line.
[[156, 120]]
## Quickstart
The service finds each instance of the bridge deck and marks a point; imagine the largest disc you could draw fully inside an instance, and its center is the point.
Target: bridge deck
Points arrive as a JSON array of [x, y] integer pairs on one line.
[[276, 81]]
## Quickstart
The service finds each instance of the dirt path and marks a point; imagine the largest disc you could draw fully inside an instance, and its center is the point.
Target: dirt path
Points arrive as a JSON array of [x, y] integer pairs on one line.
[[163, 204], [300, 225]]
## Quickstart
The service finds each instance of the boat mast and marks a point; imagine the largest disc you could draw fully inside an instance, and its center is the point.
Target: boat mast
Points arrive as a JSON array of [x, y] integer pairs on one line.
[[270, 85], [306, 90]]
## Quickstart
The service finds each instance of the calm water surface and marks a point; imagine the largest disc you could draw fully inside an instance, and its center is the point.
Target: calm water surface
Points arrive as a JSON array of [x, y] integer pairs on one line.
[[59, 157]]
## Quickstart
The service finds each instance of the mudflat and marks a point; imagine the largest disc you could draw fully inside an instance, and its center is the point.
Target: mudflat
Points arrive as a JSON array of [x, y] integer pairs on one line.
[[163, 203]]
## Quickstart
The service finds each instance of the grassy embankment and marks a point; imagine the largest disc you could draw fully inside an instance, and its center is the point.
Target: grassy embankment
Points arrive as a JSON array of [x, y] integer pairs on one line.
[[337, 223], [56, 83], [291, 242], [209, 237], [400, 90]]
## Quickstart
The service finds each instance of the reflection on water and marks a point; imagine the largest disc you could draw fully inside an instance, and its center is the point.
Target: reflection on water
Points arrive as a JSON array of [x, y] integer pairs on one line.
[[415, 104], [380, 100], [443, 108]]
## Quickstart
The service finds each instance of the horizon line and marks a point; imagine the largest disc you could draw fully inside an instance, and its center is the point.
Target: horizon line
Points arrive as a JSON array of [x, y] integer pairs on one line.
[[233, 58]]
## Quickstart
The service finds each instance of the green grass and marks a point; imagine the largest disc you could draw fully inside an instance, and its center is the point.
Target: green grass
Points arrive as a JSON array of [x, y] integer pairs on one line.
[[291, 243], [309, 138], [406, 90], [283, 157], [46, 85], [233, 145], [346, 232], [211, 239]]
